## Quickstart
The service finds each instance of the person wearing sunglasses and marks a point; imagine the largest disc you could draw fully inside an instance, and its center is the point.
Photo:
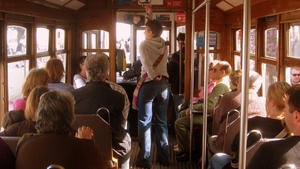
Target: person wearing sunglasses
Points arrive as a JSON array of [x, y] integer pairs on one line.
[[295, 75]]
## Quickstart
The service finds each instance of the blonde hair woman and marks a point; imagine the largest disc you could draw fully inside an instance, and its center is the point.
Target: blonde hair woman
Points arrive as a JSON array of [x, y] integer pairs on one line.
[[56, 72], [35, 77], [28, 125]]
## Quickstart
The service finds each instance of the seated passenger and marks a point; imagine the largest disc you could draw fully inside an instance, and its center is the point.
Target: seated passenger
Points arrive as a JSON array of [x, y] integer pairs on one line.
[[28, 125], [55, 69], [182, 124], [134, 71], [97, 93], [270, 126], [12, 117], [80, 78], [53, 144], [7, 157], [295, 75], [234, 79], [35, 77], [126, 108], [276, 153], [211, 84], [232, 100]]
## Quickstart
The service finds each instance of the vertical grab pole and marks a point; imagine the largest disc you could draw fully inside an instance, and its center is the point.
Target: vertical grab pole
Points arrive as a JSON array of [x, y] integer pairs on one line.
[[206, 79], [192, 85], [180, 67], [206, 63], [245, 82]]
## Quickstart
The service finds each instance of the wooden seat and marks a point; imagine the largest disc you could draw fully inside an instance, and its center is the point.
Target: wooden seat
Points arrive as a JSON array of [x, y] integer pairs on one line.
[[251, 150], [101, 131], [215, 126], [12, 142], [232, 128], [55, 166]]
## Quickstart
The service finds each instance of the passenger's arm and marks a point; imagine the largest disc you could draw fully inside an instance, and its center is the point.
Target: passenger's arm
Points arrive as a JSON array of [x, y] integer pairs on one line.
[[148, 9], [79, 82]]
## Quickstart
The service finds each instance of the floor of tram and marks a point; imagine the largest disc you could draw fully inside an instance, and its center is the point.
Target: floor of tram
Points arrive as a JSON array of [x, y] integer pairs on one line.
[[174, 164]]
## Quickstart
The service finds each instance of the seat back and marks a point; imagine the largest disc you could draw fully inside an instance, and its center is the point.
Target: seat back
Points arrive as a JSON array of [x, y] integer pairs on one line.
[[232, 128], [12, 142], [55, 166], [251, 150], [288, 166], [215, 126], [101, 131]]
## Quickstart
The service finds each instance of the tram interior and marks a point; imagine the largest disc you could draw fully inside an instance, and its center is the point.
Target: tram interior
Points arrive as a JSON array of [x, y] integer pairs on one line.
[[68, 29]]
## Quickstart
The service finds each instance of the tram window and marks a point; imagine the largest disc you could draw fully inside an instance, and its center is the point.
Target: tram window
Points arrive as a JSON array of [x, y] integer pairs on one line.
[[63, 57], [238, 40], [252, 41], [237, 62], [41, 61], [123, 39], [95, 39], [214, 40], [19, 71], [294, 40], [271, 42], [60, 39], [16, 40], [42, 40], [269, 76]]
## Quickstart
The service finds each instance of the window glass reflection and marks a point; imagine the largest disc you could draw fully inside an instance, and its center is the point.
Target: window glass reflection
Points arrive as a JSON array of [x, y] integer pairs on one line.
[[42, 40], [238, 40], [271, 42], [294, 40], [269, 76], [63, 57], [252, 41], [60, 39], [19, 71], [16, 40], [41, 61]]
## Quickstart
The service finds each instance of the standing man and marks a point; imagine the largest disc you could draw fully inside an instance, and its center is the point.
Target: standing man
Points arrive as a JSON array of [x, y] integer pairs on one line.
[[295, 75], [277, 154], [176, 73], [182, 124], [153, 97]]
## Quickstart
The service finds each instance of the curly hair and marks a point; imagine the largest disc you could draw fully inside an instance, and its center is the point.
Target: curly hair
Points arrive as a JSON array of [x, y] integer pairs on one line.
[[97, 67], [55, 69], [235, 76], [55, 112], [35, 77]]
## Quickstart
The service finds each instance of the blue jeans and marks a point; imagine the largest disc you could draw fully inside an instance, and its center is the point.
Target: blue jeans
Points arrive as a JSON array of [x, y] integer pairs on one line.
[[153, 101], [178, 99]]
